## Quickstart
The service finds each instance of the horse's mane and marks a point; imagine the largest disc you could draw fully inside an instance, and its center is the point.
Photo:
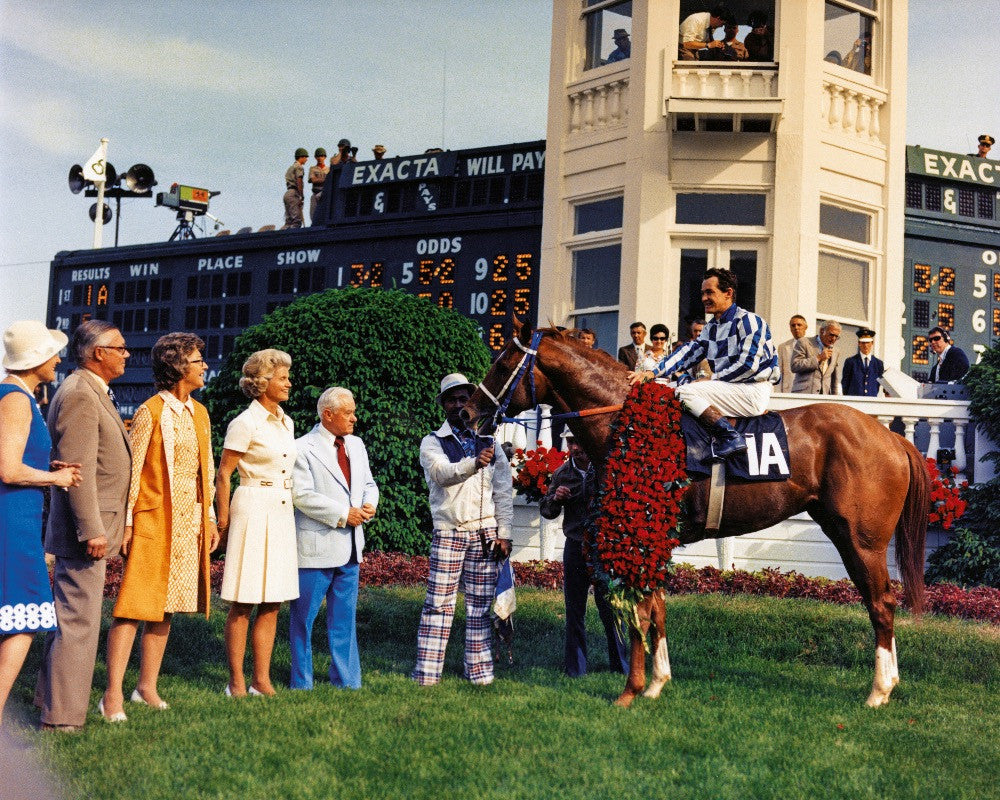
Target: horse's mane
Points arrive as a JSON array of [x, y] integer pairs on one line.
[[600, 358]]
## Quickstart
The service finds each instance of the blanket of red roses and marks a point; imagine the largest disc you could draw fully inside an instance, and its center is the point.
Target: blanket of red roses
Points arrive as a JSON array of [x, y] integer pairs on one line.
[[399, 569], [640, 497]]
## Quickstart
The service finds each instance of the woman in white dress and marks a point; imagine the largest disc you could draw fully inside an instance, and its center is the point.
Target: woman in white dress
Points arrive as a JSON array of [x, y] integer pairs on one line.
[[261, 557]]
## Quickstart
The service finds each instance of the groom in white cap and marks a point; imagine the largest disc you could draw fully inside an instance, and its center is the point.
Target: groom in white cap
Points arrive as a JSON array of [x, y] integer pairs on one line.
[[472, 508]]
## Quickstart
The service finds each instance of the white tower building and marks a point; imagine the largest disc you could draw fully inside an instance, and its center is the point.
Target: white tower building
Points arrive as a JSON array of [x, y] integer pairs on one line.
[[788, 169]]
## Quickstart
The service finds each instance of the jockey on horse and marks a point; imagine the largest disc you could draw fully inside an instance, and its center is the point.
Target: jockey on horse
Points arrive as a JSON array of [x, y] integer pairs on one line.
[[744, 361]]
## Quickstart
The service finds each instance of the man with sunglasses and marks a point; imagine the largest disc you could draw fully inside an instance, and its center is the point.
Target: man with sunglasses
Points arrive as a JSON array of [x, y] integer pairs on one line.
[[952, 363]]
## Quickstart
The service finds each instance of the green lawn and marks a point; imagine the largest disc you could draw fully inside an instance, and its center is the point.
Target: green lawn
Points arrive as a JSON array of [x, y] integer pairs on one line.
[[767, 702]]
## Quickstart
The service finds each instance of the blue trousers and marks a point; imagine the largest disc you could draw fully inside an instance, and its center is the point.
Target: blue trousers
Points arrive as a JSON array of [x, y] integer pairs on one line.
[[339, 585], [576, 585]]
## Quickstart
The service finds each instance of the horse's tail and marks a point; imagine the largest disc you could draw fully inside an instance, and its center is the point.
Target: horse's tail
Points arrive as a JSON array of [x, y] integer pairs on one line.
[[911, 531]]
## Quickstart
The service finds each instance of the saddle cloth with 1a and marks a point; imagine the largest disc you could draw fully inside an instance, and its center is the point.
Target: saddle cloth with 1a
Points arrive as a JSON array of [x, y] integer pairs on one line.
[[766, 456]]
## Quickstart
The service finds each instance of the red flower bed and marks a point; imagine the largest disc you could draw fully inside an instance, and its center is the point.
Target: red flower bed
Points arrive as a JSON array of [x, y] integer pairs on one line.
[[981, 603]]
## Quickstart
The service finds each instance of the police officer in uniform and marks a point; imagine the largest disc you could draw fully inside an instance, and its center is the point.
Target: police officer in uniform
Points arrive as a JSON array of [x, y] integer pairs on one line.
[[294, 196], [985, 143], [317, 177]]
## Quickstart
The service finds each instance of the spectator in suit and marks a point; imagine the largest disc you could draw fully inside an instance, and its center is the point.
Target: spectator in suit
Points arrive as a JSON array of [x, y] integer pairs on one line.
[[862, 370], [631, 353], [334, 496], [952, 362], [798, 326], [87, 522], [816, 364]]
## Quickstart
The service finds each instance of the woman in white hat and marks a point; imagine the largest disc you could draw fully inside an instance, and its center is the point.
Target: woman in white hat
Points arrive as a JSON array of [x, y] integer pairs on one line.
[[30, 359]]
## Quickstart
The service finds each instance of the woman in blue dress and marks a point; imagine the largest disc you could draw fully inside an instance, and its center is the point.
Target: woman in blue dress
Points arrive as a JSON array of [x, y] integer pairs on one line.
[[31, 356]]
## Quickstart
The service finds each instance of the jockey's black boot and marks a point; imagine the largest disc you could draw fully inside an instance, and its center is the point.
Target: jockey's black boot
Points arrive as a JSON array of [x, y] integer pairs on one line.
[[725, 439]]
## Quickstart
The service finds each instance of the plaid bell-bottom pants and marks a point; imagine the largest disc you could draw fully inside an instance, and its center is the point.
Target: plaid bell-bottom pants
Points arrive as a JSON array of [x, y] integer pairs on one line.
[[457, 560]]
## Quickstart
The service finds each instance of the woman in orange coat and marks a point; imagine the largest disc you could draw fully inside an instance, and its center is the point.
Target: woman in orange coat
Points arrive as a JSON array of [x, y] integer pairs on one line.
[[169, 523]]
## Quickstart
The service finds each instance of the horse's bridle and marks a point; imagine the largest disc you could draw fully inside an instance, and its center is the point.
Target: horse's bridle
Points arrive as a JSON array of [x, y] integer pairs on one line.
[[526, 364]]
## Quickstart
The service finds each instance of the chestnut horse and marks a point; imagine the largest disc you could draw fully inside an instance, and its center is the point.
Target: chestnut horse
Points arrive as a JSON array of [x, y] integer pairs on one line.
[[859, 481]]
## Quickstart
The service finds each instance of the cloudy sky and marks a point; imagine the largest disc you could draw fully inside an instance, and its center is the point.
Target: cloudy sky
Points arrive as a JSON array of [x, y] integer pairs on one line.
[[220, 94]]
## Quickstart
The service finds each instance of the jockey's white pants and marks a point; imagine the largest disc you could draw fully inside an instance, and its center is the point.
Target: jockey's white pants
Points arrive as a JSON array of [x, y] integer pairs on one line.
[[732, 399]]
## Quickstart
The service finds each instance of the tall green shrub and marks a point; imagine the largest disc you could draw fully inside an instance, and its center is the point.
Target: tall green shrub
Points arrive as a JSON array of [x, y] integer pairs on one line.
[[391, 350], [972, 555]]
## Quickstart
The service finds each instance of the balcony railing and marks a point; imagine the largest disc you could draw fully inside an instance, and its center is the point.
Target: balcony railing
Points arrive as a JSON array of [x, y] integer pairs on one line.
[[931, 425], [852, 108], [600, 101]]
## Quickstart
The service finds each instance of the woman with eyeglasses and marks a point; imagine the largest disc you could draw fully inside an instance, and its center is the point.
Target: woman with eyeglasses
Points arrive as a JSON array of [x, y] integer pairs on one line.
[[169, 521], [656, 351]]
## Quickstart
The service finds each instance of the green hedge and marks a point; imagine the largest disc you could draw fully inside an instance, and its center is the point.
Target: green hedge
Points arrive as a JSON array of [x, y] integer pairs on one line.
[[391, 350], [971, 557]]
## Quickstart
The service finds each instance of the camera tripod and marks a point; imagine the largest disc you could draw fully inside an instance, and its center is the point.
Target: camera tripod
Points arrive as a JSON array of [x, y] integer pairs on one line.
[[184, 229]]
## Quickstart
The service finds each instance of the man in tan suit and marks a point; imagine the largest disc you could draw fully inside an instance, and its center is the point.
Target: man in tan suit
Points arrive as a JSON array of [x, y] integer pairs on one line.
[[816, 364], [798, 326], [86, 522]]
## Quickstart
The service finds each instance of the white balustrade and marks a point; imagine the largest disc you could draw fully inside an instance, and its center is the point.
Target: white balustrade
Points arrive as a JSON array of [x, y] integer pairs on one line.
[[717, 82], [599, 103], [852, 108], [929, 424]]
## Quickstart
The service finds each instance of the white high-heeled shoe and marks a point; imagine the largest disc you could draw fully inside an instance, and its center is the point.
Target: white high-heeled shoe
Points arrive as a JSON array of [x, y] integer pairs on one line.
[[138, 698], [118, 716]]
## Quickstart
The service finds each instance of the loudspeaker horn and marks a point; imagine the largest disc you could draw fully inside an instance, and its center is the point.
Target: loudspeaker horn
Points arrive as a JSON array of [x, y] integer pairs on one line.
[[110, 176], [76, 179], [139, 178], [106, 216]]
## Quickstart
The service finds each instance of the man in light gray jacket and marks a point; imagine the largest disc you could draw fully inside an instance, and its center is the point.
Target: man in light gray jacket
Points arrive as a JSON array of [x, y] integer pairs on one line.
[[334, 495], [816, 363]]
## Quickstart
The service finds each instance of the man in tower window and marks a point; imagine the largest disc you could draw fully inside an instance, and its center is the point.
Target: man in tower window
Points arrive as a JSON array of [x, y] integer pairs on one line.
[[623, 47], [696, 32]]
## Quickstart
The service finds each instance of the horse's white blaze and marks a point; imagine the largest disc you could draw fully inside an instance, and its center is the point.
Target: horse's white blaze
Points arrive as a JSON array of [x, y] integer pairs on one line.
[[883, 683], [661, 669], [895, 663]]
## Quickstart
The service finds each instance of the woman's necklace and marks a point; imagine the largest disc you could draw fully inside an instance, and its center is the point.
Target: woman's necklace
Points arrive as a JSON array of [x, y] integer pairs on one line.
[[18, 379]]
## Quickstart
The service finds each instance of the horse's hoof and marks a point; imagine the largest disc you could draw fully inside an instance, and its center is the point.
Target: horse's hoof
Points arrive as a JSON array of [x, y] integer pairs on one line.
[[877, 698], [655, 688], [625, 700]]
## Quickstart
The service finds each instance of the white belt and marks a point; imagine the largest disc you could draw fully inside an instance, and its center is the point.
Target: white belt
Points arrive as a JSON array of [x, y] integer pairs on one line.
[[286, 484]]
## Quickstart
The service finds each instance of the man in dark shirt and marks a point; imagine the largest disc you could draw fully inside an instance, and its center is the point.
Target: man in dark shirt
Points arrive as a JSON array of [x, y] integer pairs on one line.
[[572, 488], [952, 363]]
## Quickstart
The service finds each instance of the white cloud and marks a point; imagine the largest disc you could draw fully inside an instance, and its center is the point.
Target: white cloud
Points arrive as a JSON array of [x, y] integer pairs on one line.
[[42, 120], [181, 64]]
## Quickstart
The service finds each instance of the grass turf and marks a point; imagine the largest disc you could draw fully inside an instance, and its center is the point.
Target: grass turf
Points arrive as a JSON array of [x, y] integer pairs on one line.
[[766, 702]]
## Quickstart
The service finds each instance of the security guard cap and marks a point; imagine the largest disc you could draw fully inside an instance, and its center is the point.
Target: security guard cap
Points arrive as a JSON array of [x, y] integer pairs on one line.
[[987, 139]]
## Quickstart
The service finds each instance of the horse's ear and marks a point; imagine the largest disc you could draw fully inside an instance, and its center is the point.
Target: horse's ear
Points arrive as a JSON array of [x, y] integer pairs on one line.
[[521, 332]]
